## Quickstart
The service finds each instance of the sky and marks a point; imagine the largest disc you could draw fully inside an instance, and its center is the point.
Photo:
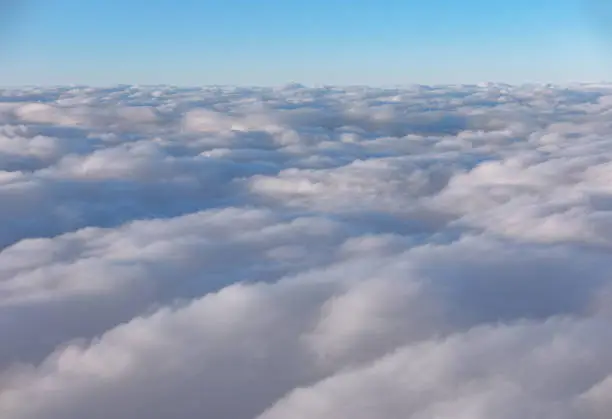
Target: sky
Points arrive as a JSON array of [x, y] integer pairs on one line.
[[271, 42]]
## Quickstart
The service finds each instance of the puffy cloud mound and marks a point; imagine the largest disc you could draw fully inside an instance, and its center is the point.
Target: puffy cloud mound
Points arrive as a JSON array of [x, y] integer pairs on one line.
[[286, 253]]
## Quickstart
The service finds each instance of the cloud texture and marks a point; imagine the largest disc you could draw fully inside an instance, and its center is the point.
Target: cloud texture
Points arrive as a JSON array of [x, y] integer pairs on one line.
[[293, 253]]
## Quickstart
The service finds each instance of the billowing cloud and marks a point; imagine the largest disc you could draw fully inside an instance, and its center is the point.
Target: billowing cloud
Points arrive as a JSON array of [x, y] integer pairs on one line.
[[295, 252]]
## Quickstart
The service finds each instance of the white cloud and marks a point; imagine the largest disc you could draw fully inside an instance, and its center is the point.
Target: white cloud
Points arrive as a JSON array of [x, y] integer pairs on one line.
[[305, 252]]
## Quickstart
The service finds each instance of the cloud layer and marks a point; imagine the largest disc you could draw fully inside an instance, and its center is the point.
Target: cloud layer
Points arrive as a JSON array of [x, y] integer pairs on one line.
[[294, 252]]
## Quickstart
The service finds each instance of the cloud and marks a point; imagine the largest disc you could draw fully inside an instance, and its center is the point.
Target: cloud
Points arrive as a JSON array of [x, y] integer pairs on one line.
[[264, 253], [549, 370]]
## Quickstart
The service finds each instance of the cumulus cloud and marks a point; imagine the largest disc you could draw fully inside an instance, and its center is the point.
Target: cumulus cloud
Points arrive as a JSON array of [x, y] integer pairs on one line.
[[296, 252]]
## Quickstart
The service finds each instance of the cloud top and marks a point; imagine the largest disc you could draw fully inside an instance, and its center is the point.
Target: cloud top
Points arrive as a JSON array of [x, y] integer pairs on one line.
[[296, 252]]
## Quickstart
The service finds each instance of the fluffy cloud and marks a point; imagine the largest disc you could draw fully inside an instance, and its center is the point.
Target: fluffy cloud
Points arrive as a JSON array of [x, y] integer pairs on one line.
[[294, 252]]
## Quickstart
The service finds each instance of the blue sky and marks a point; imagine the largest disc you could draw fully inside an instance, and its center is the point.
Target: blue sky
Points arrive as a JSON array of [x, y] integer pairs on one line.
[[378, 42]]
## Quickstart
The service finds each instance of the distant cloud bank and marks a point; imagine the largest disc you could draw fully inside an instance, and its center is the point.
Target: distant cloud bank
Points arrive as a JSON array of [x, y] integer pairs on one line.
[[296, 253]]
